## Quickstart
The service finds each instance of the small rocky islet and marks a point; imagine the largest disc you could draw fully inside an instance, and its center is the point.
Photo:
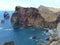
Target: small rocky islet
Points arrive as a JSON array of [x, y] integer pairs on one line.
[[6, 15]]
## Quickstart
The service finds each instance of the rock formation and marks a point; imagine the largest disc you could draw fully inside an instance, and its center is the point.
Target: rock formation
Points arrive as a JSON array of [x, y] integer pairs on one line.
[[9, 43], [6, 14], [25, 16], [39, 17]]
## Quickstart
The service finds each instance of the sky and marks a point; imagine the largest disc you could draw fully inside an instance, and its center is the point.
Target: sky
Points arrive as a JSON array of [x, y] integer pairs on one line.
[[11, 4]]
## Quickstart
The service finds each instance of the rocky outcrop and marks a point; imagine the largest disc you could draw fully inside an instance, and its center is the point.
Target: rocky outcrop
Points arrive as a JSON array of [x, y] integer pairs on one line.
[[6, 14], [9, 43], [25, 16], [41, 17]]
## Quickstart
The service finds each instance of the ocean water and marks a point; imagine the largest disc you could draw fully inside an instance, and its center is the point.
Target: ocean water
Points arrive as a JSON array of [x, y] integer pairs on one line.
[[21, 36]]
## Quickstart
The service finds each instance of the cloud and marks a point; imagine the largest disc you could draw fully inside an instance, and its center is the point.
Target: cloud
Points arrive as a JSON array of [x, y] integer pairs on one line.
[[10, 4]]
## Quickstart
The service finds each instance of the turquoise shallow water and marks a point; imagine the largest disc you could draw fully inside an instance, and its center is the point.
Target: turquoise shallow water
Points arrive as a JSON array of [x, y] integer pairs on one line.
[[20, 36]]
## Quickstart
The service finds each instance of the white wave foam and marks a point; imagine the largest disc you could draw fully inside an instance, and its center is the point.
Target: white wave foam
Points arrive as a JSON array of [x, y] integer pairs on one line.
[[9, 29], [36, 40], [30, 37]]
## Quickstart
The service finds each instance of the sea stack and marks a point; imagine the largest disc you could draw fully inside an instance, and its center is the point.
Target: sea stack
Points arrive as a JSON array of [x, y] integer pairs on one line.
[[6, 14]]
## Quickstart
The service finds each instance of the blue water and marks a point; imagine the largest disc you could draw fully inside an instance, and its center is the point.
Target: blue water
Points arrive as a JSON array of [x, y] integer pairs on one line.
[[20, 36]]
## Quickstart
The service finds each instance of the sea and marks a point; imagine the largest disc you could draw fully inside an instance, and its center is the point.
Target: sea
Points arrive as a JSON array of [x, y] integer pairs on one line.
[[21, 36]]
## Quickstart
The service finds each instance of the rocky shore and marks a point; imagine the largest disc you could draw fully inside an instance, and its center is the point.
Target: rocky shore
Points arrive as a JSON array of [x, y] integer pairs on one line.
[[39, 17]]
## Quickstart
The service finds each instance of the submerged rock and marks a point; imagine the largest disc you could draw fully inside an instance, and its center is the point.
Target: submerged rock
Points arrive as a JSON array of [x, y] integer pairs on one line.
[[47, 39], [2, 21], [35, 37], [8, 43]]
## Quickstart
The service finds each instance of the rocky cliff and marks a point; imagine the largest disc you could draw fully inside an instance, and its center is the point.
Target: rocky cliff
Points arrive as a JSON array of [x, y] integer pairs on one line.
[[51, 16], [39, 17]]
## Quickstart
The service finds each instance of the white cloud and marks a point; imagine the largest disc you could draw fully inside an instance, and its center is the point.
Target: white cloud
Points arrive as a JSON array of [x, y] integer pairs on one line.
[[7, 5], [10, 4]]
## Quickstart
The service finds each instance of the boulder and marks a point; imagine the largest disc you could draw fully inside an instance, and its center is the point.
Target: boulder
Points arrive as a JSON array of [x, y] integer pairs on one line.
[[2, 21], [8, 43], [35, 37]]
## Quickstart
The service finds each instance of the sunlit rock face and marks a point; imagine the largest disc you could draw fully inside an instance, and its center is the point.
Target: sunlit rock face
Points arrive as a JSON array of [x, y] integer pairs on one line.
[[39, 17]]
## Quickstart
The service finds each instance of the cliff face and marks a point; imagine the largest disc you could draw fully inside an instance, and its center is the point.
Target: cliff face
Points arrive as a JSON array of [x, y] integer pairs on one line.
[[35, 17], [25, 16]]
